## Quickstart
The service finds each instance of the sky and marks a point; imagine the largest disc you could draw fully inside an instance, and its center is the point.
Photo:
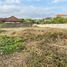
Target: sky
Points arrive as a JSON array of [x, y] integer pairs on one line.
[[32, 8]]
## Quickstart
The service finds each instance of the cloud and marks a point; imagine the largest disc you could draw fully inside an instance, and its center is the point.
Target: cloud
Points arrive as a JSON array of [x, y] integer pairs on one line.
[[34, 12], [57, 1], [35, 0], [19, 9], [24, 11], [12, 1], [14, 7], [37, 12]]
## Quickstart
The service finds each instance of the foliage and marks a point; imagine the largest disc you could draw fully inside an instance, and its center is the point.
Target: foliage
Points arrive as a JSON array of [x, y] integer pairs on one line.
[[10, 44], [51, 20]]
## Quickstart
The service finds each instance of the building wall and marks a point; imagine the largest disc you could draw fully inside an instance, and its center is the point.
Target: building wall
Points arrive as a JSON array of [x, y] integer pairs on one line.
[[51, 25]]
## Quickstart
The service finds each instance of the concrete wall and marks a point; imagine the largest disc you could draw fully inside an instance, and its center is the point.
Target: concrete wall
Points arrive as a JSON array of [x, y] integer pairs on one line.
[[51, 25]]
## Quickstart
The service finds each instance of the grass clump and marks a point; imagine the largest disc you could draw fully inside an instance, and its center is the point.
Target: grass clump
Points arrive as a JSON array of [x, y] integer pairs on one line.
[[10, 44]]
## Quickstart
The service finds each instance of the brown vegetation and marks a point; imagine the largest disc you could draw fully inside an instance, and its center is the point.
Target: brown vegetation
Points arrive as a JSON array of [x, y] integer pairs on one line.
[[43, 48]]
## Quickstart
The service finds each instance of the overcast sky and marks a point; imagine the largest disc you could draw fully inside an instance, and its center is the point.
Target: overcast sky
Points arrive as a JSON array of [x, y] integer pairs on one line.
[[32, 8]]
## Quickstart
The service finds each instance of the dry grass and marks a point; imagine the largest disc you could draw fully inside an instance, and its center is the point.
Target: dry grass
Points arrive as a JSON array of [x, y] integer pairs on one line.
[[44, 48]]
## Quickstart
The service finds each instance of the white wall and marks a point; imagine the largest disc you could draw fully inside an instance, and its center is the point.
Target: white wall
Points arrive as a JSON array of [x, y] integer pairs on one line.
[[51, 25]]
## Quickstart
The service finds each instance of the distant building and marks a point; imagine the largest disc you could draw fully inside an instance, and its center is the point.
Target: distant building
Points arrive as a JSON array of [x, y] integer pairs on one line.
[[62, 15], [11, 19]]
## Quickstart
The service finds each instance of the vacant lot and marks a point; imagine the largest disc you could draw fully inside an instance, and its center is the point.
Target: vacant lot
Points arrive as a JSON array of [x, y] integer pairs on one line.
[[33, 47]]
